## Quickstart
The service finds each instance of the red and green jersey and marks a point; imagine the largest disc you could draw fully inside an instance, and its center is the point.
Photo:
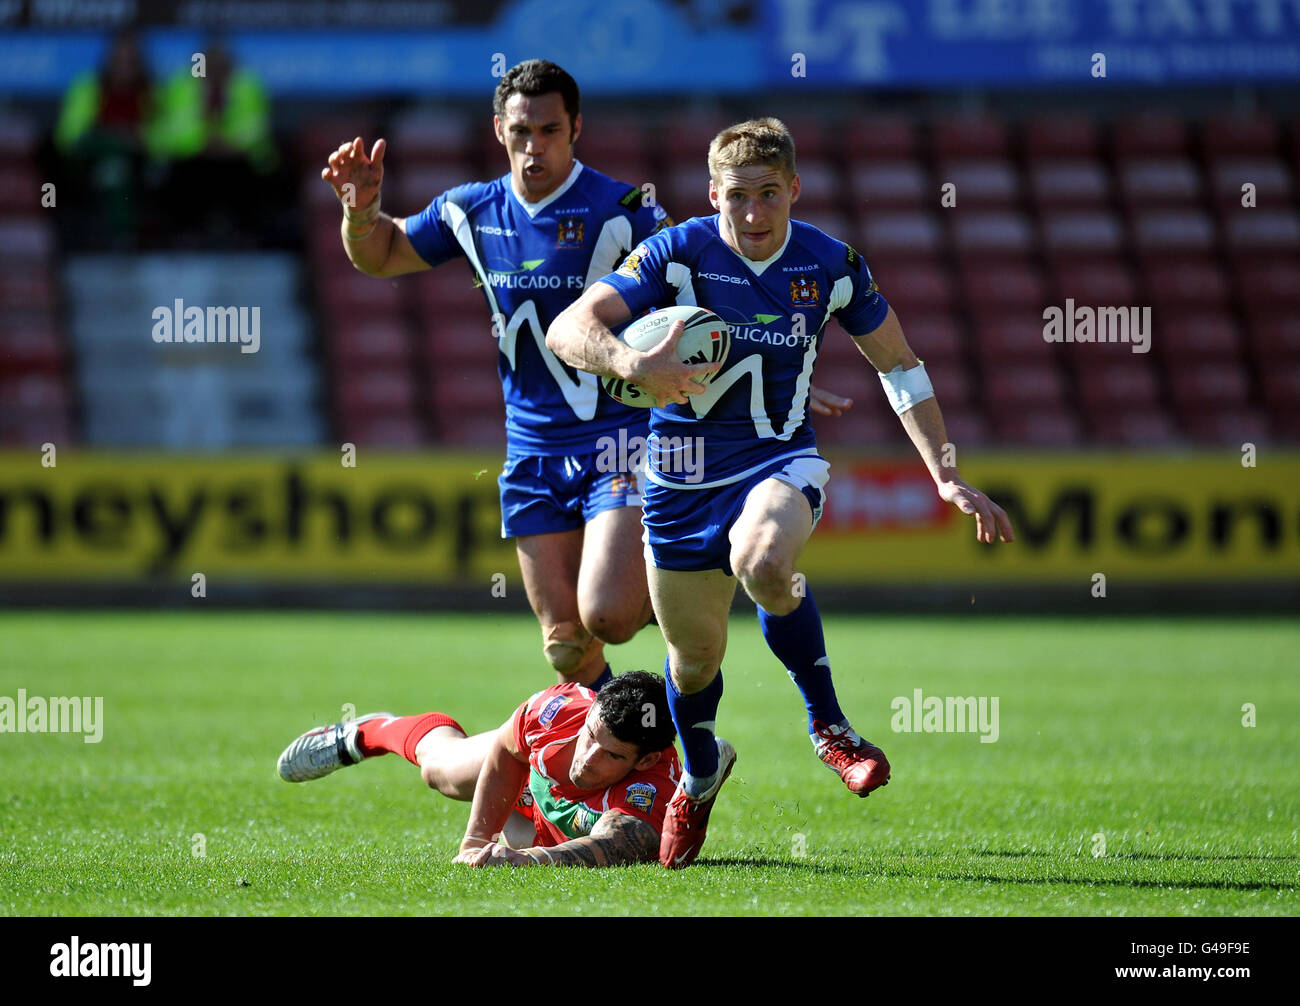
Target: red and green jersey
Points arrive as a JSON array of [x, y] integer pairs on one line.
[[546, 730]]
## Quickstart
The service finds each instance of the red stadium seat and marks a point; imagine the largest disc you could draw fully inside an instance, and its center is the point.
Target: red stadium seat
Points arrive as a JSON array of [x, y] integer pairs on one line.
[[858, 428], [953, 383], [1097, 281], [431, 135], [375, 392], [687, 140], [369, 344], [686, 190], [1282, 388], [890, 234], [1198, 283], [1203, 336], [916, 286], [403, 431], [1013, 385], [1094, 233], [1001, 339], [19, 137], [1037, 427], [30, 428], [351, 293], [468, 388], [1269, 175], [1150, 135], [1204, 387], [1136, 427], [456, 343], [608, 136], [1159, 182], [27, 241], [1117, 384], [820, 186], [26, 288], [891, 185], [447, 290], [1057, 184], [1270, 285], [37, 392], [989, 233], [965, 427], [1174, 231], [828, 221], [415, 184], [20, 188], [935, 337], [968, 136], [812, 138], [1006, 286], [1060, 137], [29, 341], [1262, 232], [1275, 338], [473, 429], [982, 182], [880, 138], [1234, 136], [1233, 426]]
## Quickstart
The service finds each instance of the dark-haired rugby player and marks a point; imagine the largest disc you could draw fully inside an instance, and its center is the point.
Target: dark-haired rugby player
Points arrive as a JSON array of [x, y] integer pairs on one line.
[[581, 777]]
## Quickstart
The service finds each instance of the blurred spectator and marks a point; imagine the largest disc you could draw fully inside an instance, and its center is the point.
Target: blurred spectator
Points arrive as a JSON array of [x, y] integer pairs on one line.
[[101, 134], [214, 133]]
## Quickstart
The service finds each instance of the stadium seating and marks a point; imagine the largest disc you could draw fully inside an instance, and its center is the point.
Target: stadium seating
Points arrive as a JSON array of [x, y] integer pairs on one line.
[[1144, 210]]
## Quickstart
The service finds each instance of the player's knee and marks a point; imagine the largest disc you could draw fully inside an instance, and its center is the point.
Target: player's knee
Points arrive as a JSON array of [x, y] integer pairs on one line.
[[767, 580], [434, 778], [692, 670], [566, 645], [614, 625]]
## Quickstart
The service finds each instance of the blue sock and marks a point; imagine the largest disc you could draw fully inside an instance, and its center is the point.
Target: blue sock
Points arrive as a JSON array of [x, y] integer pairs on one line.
[[606, 676], [798, 643], [694, 716]]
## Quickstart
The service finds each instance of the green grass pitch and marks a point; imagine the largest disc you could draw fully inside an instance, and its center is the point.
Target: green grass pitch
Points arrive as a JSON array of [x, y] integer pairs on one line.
[[1131, 730]]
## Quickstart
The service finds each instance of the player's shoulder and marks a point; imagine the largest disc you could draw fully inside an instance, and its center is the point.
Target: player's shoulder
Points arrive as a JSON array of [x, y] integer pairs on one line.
[[559, 702], [690, 237], [610, 193], [834, 254], [472, 196]]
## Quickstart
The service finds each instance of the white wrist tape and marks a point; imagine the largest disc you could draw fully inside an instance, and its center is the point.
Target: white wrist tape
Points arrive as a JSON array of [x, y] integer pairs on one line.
[[905, 388]]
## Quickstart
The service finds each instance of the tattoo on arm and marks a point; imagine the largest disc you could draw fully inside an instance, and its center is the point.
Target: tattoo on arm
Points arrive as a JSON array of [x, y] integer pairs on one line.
[[616, 840]]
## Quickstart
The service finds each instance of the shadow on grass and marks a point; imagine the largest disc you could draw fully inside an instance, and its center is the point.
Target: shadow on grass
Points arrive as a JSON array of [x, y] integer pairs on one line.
[[769, 861], [1168, 856], [890, 867]]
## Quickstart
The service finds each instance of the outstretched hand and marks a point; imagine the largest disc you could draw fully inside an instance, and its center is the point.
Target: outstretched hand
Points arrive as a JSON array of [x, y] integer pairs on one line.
[[349, 166], [827, 403], [493, 854], [989, 517]]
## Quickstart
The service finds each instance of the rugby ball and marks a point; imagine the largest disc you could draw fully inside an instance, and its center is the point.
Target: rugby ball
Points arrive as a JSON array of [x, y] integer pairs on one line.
[[707, 339]]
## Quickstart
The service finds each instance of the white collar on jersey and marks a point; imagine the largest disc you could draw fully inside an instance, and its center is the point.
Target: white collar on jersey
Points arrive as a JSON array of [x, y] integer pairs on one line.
[[758, 268], [532, 209]]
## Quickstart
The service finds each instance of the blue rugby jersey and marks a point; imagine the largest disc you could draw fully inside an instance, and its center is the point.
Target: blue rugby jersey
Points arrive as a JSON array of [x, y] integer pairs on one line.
[[534, 260], [755, 411]]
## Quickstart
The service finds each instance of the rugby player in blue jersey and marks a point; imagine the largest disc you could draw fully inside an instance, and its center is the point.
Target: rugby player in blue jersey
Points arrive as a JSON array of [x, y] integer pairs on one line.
[[535, 238], [749, 513]]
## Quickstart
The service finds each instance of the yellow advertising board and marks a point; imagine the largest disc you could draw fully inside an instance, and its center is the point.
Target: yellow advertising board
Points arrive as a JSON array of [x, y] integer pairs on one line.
[[434, 517]]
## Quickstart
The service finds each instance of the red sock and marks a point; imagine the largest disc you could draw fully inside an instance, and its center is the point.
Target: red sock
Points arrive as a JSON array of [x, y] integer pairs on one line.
[[401, 735]]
